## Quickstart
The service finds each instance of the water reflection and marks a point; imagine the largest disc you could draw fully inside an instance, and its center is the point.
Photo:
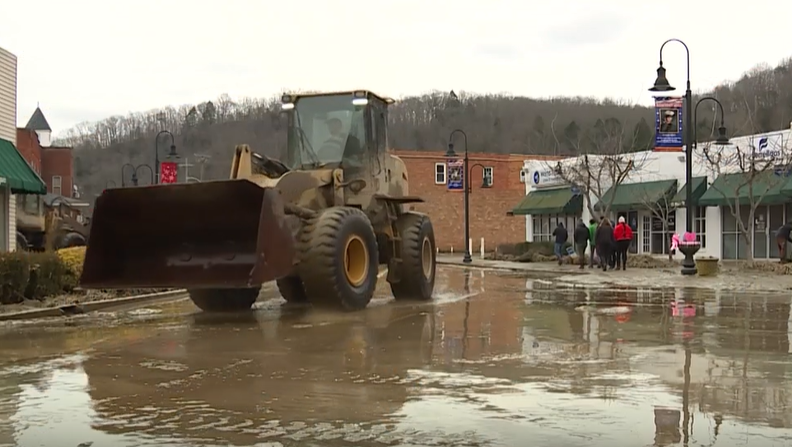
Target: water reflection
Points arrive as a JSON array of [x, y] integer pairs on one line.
[[494, 366]]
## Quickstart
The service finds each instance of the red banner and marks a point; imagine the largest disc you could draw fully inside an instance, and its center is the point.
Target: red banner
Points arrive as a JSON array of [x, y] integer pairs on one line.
[[168, 172]]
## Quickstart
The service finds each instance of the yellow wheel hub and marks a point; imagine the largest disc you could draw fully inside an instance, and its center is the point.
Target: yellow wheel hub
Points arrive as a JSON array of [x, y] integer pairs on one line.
[[356, 261], [426, 258]]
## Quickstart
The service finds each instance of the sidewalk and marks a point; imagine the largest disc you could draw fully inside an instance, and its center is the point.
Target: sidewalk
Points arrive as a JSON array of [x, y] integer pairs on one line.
[[636, 277]]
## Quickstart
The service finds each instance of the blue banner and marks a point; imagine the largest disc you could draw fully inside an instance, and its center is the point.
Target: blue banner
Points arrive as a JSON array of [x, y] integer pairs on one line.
[[456, 174], [668, 124]]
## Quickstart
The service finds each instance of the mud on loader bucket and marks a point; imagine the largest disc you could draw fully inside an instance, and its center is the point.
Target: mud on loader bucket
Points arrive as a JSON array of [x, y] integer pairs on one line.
[[222, 234]]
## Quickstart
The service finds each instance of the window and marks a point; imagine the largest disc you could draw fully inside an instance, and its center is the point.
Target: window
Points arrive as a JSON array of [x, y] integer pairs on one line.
[[543, 226], [487, 174], [700, 225], [56, 185], [733, 244], [440, 173]]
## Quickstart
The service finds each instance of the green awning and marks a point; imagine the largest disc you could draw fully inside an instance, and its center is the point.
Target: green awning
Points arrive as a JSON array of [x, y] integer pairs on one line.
[[699, 188], [631, 196], [17, 173], [550, 201], [729, 189]]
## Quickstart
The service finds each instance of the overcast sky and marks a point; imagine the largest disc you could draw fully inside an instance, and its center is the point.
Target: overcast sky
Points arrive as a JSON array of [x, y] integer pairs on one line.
[[84, 60]]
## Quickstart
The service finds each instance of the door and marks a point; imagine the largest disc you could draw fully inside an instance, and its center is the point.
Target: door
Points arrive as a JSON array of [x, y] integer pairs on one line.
[[632, 221], [760, 229]]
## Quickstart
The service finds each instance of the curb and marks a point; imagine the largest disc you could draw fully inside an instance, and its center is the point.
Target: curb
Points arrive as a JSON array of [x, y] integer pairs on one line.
[[507, 268], [91, 306]]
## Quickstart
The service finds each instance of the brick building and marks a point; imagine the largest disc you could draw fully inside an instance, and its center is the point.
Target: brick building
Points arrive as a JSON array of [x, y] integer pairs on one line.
[[54, 164], [496, 186]]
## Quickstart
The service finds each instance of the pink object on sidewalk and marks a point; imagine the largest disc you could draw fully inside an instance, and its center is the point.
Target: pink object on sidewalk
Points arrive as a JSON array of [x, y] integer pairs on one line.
[[674, 243], [689, 238]]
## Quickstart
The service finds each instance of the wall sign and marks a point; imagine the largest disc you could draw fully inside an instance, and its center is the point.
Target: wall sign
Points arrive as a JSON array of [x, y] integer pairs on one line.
[[456, 174], [541, 178]]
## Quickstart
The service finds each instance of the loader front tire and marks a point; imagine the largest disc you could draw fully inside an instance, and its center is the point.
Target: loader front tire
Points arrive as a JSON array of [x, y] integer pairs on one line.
[[418, 255], [224, 300], [292, 290], [339, 258]]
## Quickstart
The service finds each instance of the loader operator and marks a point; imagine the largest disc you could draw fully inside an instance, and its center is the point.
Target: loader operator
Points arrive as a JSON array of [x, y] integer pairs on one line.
[[339, 145]]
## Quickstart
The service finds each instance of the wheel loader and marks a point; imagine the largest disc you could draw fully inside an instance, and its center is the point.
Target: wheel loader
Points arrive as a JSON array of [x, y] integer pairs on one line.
[[320, 222]]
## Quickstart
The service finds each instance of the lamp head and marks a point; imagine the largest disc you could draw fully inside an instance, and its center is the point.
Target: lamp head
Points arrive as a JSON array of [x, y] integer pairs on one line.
[[661, 83]]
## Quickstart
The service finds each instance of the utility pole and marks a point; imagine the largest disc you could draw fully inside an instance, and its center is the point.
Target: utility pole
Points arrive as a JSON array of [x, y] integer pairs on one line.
[[202, 159]]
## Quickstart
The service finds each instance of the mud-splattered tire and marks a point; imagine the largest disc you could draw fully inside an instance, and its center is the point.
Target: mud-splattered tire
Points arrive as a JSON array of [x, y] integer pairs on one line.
[[21, 242], [339, 258], [292, 290], [419, 256], [224, 300], [70, 240]]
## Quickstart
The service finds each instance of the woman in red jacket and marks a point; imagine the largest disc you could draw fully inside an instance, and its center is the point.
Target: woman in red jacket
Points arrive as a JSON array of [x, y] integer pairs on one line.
[[623, 235]]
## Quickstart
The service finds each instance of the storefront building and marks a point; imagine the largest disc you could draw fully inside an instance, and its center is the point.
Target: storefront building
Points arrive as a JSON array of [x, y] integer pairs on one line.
[[651, 197], [17, 178]]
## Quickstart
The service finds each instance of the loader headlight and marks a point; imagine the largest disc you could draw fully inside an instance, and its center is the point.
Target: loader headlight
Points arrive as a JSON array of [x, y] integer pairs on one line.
[[360, 101], [287, 106]]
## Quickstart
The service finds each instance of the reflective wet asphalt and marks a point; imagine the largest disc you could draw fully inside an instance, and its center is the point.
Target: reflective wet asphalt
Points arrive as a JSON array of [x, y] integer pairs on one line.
[[495, 360]]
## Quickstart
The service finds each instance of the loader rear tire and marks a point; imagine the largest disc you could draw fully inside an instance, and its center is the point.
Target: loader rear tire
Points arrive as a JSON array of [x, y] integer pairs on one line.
[[339, 258], [224, 300], [418, 255], [292, 290]]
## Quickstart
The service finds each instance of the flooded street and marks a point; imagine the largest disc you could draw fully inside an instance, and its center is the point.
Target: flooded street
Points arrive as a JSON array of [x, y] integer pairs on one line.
[[496, 360]]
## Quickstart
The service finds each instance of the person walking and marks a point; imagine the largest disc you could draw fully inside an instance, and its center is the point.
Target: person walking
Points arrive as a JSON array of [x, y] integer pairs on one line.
[[623, 235], [783, 236], [581, 237], [592, 231], [605, 243], [561, 236]]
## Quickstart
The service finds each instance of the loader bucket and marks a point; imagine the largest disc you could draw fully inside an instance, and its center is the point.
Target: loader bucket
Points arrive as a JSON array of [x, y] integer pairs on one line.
[[221, 234]]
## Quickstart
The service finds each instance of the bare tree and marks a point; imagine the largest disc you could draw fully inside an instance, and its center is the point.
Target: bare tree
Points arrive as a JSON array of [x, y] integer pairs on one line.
[[745, 174], [607, 157]]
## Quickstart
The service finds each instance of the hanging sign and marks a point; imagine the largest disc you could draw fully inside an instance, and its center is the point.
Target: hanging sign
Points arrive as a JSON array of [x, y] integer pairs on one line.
[[668, 124], [168, 172], [456, 174]]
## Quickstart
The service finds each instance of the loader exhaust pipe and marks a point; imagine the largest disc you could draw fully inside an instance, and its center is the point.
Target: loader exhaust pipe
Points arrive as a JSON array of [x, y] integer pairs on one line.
[[222, 234]]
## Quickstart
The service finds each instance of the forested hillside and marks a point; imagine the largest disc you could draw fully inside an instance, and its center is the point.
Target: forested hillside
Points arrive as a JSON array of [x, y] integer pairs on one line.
[[760, 101]]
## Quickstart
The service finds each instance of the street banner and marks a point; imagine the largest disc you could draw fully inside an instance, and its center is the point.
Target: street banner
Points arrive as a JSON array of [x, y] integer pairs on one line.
[[668, 124], [456, 174], [168, 172]]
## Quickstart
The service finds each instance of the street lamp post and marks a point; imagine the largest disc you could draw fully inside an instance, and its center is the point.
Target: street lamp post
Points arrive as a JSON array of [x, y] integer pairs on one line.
[[135, 176], [661, 85], [465, 184], [689, 139], [171, 154]]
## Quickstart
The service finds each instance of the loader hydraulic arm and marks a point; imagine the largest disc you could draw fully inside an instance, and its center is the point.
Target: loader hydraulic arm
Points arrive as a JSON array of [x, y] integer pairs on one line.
[[247, 163]]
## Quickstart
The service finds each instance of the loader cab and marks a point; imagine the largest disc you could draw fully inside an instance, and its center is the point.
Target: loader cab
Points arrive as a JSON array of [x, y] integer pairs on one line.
[[346, 130]]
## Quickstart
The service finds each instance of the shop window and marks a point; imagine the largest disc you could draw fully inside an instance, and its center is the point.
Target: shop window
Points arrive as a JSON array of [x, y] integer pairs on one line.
[[487, 174], [440, 174], [543, 226]]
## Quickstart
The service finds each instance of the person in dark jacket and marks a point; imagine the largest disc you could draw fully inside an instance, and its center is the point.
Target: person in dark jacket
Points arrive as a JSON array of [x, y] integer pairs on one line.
[[592, 231], [561, 236], [782, 238], [623, 235], [604, 242], [581, 242]]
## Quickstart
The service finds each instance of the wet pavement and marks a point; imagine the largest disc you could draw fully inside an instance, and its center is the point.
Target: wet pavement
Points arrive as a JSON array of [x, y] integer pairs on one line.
[[496, 360]]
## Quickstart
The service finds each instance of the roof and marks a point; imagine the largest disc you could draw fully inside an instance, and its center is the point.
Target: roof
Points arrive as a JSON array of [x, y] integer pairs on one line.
[[384, 99], [37, 121], [550, 201], [16, 171], [765, 187], [642, 195], [699, 188]]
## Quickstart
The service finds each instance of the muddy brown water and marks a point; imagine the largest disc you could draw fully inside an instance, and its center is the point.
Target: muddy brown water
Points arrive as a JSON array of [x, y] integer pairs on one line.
[[495, 360]]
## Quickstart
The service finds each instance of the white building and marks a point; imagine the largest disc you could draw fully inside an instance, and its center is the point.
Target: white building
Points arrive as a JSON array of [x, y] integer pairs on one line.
[[16, 176], [651, 196]]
